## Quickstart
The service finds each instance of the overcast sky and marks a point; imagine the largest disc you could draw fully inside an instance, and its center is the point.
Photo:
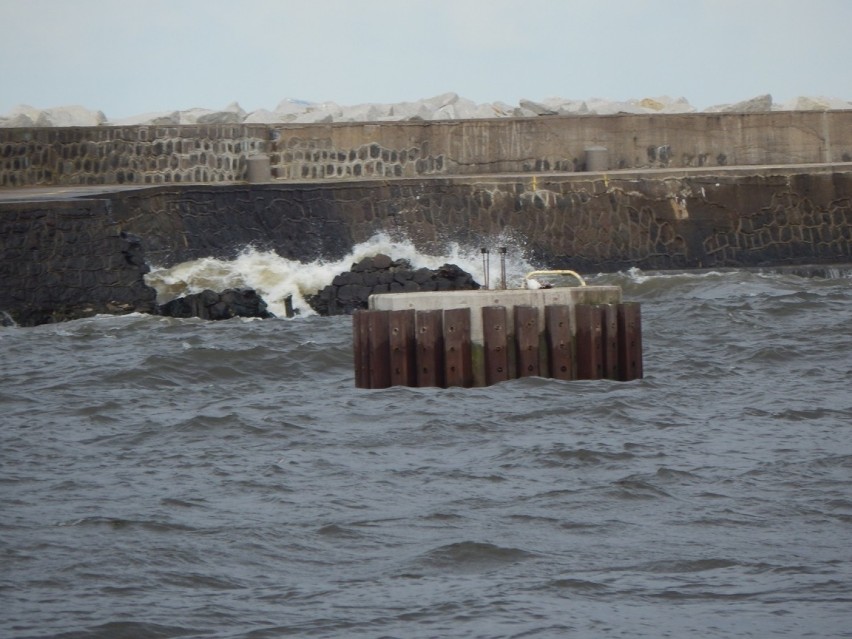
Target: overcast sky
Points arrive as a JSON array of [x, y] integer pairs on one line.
[[127, 57]]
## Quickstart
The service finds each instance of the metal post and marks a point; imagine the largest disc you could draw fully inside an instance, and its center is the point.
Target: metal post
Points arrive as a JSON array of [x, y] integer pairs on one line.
[[486, 266], [503, 284]]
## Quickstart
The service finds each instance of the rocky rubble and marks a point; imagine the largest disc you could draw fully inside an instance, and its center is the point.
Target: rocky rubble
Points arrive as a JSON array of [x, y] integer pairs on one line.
[[447, 106], [381, 274], [211, 305]]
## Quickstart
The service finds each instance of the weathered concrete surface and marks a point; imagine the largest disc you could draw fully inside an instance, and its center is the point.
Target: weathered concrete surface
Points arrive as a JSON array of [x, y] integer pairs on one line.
[[544, 144], [217, 153]]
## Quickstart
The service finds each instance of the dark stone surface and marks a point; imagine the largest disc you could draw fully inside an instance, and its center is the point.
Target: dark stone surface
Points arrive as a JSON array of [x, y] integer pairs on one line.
[[64, 259], [350, 291], [68, 260], [191, 222], [210, 305]]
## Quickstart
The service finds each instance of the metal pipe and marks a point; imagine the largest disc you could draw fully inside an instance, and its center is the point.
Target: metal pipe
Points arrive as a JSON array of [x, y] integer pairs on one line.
[[486, 266], [503, 284]]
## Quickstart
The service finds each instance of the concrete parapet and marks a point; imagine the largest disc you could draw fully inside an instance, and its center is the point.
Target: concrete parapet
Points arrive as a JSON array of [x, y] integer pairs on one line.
[[477, 300]]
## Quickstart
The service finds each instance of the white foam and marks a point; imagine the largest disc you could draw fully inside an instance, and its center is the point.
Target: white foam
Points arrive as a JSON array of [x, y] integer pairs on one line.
[[275, 277]]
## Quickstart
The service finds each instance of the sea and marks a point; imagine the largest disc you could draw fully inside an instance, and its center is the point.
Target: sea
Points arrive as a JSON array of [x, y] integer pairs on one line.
[[165, 477]]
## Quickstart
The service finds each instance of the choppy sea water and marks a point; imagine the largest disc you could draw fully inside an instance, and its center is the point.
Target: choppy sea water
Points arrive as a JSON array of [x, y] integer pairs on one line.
[[176, 478]]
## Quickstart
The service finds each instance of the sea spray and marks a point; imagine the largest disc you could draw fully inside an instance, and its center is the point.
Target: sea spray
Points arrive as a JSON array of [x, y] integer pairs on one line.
[[275, 278]]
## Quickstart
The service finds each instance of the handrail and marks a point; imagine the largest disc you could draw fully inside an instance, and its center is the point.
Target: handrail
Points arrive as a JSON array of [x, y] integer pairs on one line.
[[573, 274]]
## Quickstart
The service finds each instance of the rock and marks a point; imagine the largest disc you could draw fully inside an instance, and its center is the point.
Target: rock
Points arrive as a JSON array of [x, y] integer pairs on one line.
[[381, 274], [291, 107], [157, 118], [31, 113], [262, 116], [363, 113], [73, 115], [568, 107], [218, 306], [681, 105], [446, 106], [755, 105], [319, 114], [407, 111], [190, 116], [231, 114], [219, 117], [520, 112], [759, 104], [609, 107], [536, 107], [19, 121], [804, 103]]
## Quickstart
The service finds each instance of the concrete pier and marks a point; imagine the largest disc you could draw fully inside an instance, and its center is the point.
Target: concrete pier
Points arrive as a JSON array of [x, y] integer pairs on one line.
[[484, 337]]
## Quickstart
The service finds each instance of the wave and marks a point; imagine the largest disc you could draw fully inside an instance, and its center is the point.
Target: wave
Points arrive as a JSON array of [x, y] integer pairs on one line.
[[275, 278]]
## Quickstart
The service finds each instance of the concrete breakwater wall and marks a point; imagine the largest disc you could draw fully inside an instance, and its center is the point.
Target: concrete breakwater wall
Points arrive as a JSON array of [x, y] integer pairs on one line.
[[212, 154], [600, 223], [80, 256]]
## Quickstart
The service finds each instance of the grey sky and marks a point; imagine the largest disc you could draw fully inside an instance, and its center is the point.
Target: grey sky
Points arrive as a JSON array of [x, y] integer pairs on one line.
[[127, 57]]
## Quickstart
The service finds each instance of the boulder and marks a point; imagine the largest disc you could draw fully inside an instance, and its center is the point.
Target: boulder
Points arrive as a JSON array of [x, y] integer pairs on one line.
[[759, 104], [290, 107], [263, 116], [18, 121], [363, 113], [805, 103], [157, 118], [190, 116], [536, 107], [218, 306], [350, 290], [73, 115], [219, 117]]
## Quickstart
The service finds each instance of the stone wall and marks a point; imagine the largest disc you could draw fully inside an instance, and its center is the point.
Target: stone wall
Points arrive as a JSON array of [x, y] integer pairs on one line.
[[66, 260], [71, 258], [128, 155], [726, 219], [210, 154]]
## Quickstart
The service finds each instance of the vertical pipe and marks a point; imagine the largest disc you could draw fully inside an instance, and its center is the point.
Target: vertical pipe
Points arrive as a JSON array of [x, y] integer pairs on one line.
[[503, 284], [486, 267]]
